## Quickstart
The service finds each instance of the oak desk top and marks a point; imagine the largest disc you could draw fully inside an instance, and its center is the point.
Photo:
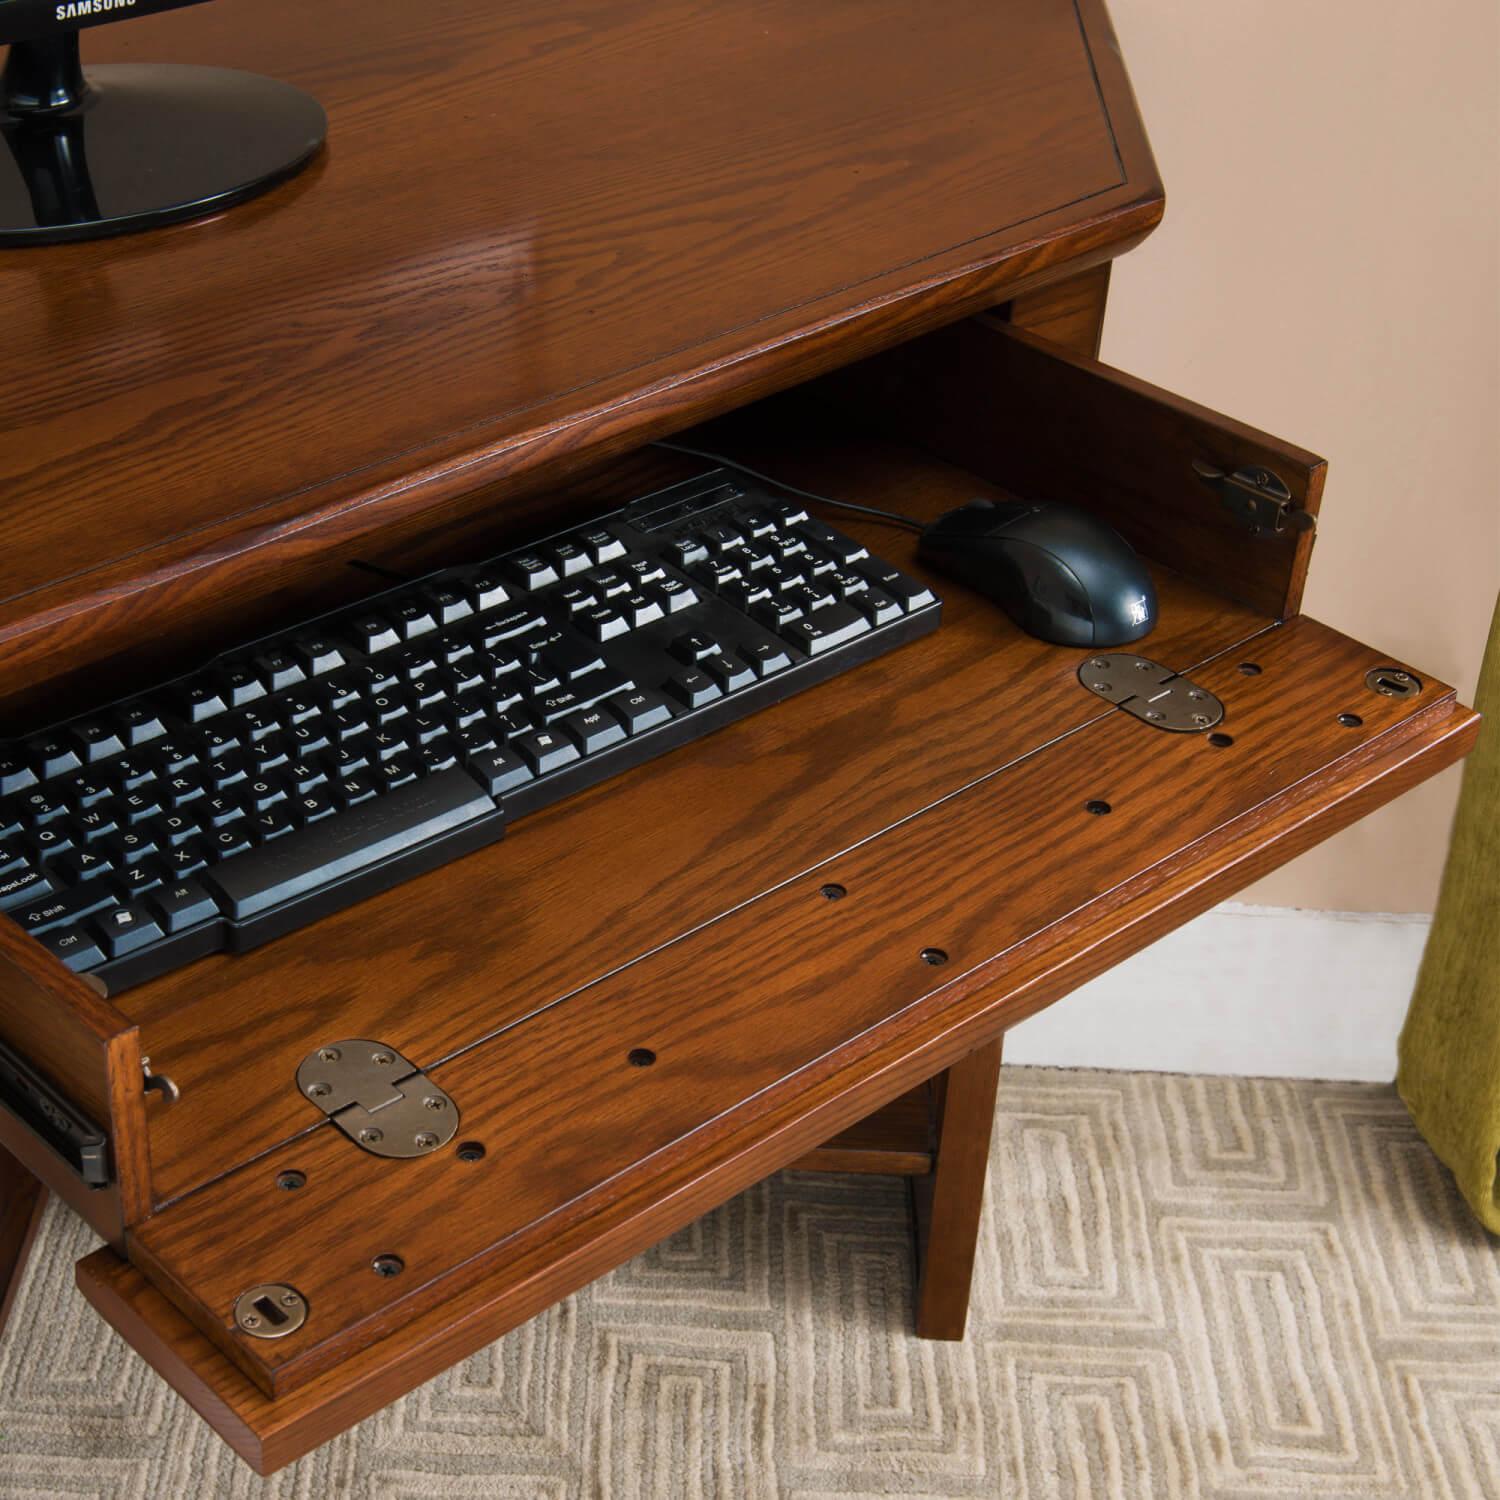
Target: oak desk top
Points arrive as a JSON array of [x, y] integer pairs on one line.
[[534, 231]]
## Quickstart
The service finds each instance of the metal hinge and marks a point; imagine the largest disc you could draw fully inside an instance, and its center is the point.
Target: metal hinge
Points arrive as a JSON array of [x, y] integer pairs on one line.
[[382, 1102], [1152, 692], [1257, 498]]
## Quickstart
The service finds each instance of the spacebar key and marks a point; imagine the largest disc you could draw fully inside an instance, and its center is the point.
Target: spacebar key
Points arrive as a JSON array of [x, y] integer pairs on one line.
[[304, 861]]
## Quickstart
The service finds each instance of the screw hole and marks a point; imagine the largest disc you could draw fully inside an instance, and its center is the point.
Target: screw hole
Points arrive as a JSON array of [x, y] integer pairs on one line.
[[641, 1057], [291, 1181], [1097, 806], [1350, 721], [1221, 741], [934, 956], [1250, 669], [471, 1151], [832, 892], [387, 1265]]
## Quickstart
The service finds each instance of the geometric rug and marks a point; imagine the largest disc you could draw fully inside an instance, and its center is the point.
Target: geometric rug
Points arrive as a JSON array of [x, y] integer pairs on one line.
[[1244, 1289]]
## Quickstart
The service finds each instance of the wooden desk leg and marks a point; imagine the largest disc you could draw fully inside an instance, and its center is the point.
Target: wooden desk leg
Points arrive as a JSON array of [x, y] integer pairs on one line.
[[22, 1199], [947, 1203]]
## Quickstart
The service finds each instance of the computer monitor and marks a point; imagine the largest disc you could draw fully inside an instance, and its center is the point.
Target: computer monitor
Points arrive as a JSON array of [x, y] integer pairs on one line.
[[125, 147]]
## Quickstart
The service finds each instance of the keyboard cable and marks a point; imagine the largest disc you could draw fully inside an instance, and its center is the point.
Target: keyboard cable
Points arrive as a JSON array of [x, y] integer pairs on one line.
[[729, 463]]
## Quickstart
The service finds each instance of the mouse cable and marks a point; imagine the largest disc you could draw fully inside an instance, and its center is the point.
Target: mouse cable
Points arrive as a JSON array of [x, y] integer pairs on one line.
[[791, 489]]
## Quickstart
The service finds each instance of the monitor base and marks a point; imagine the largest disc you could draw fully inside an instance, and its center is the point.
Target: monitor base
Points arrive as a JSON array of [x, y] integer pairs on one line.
[[134, 146]]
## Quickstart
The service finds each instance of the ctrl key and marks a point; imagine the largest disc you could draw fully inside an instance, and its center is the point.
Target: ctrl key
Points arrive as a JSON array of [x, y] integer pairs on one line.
[[73, 946], [126, 927]]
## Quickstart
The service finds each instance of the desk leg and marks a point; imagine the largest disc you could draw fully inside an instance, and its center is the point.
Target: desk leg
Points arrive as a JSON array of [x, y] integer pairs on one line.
[[947, 1203], [22, 1198]]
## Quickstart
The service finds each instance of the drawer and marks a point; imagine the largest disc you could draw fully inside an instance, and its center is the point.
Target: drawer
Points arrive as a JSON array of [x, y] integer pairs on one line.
[[687, 978]]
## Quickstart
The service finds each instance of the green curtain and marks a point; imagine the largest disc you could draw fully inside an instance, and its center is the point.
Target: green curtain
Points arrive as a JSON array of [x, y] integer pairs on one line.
[[1449, 1054]]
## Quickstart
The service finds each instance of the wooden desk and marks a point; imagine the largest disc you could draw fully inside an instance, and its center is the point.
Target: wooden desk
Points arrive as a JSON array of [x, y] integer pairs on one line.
[[872, 254]]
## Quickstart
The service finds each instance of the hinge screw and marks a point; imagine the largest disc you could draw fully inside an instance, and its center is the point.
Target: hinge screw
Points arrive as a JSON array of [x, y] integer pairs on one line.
[[329, 1054], [289, 1299], [435, 1101], [249, 1321], [318, 1090], [426, 1140], [382, 1059], [371, 1136]]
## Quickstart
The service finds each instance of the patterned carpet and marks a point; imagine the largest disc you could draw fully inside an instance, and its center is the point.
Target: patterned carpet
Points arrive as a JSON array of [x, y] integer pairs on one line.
[[1186, 1287]]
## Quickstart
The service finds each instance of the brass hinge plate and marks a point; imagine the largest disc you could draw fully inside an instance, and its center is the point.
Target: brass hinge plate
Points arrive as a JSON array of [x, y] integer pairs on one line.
[[1153, 693], [382, 1102]]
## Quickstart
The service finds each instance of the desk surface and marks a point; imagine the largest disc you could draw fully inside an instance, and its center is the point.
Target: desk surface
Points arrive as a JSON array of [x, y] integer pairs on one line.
[[628, 206]]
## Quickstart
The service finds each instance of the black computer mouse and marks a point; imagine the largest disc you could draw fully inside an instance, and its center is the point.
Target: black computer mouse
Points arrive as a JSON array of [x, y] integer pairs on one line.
[[1059, 573]]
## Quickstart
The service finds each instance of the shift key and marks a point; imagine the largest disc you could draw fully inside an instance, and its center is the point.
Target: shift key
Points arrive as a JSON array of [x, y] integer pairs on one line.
[[303, 862]]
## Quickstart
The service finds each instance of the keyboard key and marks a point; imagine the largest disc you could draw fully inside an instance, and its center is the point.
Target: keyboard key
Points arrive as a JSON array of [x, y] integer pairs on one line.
[[641, 709], [448, 603], [55, 838], [397, 771], [319, 655], [129, 845], [694, 688], [342, 845], [826, 628], [139, 879], [838, 546], [53, 757], [487, 591], [264, 826], [74, 946], [498, 771], [183, 903], [12, 853], [593, 729], [139, 724], [280, 669], [412, 617], [198, 701], [909, 593], [373, 634], [603, 623], [766, 659], [96, 739], [23, 886], [223, 843], [694, 647], [78, 865], [877, 607], [730, 673], [352, 790], [241, 684], [312, 807], [604, 546], [569, 558], [15, 775], [191, 856], [126, 927], [640, 609], [63, 906], [530, 570], [545, 750]]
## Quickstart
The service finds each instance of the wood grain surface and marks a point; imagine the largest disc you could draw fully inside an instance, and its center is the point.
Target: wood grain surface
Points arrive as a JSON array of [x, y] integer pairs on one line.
[[799, 985], [535, 233], [948, 1202], [898, 1140], [91, 1053], [270, 1433], [22, 1199], [577, 890]]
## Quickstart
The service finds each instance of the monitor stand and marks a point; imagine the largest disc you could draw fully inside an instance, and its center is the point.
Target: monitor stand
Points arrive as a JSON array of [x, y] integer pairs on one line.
[[133, 146]]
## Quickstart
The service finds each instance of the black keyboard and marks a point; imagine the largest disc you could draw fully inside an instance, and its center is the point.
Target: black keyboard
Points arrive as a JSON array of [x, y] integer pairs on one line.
[[331, 761]]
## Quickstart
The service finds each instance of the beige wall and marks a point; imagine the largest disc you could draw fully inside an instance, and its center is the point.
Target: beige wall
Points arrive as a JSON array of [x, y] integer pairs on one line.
[[1329, 269]]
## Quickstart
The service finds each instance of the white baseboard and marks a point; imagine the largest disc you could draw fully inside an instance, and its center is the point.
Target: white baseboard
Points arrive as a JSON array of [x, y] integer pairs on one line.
[[1263, 991]]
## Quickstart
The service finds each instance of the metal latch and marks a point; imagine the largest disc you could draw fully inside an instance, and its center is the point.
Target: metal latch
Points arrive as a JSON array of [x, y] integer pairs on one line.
[[1151, 692], [1256, 497], [378, 1099]]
